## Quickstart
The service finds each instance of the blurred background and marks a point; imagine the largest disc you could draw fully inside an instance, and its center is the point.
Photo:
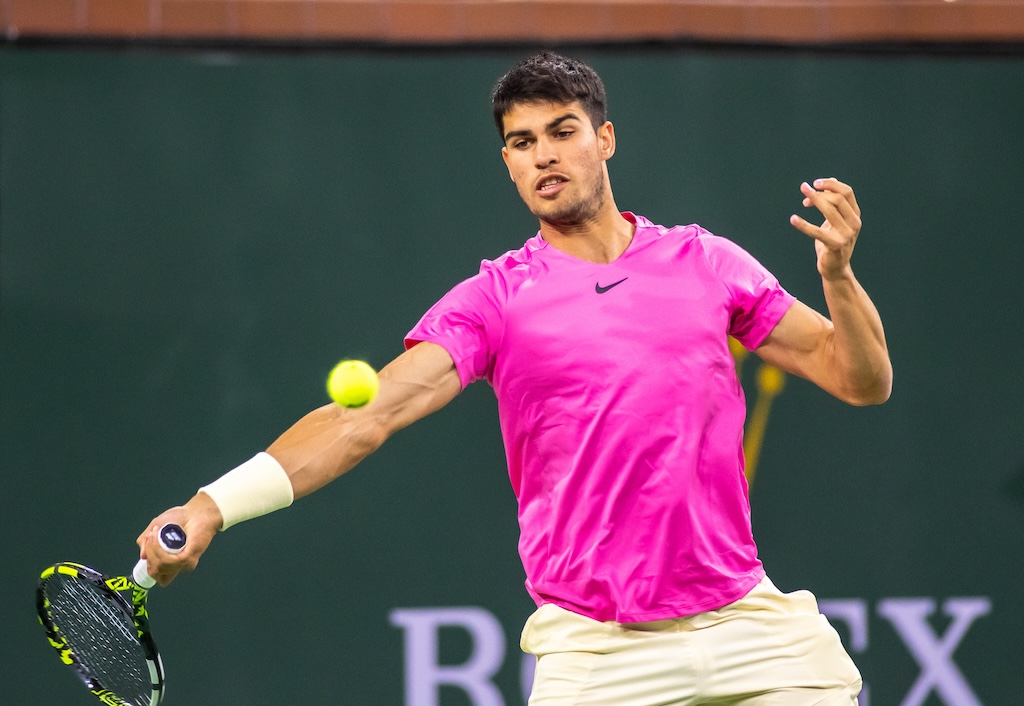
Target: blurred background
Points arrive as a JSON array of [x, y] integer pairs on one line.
[[204, 204]]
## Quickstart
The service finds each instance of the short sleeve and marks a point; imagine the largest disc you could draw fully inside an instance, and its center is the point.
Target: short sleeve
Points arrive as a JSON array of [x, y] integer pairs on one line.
[[756, 299], [466, 322]]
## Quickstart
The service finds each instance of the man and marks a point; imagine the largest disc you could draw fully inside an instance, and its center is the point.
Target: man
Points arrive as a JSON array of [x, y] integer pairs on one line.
[[605, 339]]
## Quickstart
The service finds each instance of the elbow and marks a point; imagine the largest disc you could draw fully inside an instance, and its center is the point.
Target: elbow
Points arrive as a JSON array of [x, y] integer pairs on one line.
[[868, 399], [873, 391]]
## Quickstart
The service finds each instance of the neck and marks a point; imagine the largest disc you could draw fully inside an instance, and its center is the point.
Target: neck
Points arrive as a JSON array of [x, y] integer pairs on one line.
[[601, 238]]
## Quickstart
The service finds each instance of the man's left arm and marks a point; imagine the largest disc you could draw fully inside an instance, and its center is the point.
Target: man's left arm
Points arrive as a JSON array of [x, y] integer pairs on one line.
[[845, 354]]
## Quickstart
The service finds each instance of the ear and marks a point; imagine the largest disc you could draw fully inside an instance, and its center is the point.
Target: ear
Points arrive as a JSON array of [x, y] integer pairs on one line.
[[606, 140], [504, 156]]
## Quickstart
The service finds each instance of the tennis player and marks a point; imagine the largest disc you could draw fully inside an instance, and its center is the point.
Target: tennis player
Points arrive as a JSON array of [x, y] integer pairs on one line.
[[605, 340]]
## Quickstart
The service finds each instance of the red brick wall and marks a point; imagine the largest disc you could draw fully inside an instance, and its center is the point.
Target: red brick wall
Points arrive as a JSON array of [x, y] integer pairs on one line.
[[458, 21]]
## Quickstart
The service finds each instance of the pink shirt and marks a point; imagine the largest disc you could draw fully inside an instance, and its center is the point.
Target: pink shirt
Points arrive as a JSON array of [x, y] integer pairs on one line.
[[621, 414]]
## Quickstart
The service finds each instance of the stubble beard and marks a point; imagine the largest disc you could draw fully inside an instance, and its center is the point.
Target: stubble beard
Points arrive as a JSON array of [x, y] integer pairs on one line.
[[577, 212]]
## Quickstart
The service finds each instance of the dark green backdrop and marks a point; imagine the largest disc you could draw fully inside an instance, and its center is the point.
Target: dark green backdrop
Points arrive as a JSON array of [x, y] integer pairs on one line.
[[189, 240]]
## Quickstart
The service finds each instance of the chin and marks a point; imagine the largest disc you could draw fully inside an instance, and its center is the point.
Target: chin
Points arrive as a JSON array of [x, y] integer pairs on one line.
[[570, 215]]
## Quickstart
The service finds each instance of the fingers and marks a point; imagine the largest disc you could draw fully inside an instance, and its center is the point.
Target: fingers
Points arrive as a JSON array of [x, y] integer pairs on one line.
[[803, 226], [837, 236], [199, 518], [839, 207], [836, 202], [176, 515], [162, 564], [831, 184]]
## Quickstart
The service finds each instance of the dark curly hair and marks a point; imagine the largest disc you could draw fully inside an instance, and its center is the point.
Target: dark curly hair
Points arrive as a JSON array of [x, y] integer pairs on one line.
[[550, 78]]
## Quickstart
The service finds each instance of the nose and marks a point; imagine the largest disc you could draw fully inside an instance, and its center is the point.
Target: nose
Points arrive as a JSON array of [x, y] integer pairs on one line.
[[545, 153]]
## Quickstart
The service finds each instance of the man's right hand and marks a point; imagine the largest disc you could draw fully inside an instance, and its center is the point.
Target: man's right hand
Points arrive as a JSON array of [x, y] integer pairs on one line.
[[200, 518]]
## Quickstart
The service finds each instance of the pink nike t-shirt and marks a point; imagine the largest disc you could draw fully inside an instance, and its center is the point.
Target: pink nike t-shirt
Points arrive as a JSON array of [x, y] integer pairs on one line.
[[621, 414]]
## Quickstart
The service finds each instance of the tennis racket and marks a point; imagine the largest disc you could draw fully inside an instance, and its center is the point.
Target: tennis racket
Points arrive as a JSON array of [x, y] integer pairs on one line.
[[100, 633]]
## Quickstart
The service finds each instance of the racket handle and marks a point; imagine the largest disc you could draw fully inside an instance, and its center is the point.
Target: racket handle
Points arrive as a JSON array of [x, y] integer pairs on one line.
[[172, 538]]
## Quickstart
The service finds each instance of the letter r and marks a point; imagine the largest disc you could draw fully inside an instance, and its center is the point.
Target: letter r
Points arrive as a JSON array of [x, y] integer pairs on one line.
[[424, 675]]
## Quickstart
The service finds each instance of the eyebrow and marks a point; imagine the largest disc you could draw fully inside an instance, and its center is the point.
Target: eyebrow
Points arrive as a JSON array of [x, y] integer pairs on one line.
[[549, 127]]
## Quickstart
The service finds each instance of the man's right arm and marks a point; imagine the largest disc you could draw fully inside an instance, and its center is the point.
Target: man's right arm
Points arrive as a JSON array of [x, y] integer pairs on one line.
[[320, 447]]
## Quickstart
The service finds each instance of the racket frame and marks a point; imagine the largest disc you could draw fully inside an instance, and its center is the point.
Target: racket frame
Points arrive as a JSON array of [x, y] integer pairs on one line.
[[135, 610]]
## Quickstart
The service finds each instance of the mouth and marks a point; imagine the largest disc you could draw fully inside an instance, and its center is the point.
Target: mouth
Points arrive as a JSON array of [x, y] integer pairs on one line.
[[551, 184]]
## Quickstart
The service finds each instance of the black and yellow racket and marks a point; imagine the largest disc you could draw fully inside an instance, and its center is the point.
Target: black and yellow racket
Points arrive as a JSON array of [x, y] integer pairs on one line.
[[103, 635]]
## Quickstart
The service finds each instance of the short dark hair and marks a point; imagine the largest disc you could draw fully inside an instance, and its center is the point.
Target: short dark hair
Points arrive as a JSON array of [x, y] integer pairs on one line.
[[550, 78]]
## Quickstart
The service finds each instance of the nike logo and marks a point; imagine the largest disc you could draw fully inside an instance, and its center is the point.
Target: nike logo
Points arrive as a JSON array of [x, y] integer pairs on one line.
[[601, 290]]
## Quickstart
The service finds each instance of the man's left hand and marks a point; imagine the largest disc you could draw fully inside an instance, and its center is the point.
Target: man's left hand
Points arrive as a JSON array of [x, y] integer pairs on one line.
[[835, 238]]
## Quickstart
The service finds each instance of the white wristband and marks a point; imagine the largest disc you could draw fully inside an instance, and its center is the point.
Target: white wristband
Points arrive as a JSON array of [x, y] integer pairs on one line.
[[257, 487]]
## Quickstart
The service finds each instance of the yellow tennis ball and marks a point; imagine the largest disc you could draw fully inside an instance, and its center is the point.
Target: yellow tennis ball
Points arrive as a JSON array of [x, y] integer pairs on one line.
[[352, 383]]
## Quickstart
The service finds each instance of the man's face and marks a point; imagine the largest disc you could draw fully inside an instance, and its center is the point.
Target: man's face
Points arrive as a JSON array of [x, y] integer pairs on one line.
[[557, 160]]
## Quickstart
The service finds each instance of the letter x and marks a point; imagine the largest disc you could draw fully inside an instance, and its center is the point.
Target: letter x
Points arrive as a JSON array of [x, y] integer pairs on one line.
[[932, 653]]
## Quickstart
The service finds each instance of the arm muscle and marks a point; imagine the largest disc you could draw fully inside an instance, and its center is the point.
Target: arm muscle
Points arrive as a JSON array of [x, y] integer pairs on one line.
[[331, 440]]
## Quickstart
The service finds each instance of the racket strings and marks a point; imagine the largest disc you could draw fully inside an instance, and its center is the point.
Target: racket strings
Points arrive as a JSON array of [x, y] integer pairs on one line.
[[103, 639]]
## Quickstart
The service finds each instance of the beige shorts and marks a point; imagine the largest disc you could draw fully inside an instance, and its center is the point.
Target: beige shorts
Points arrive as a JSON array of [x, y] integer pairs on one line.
[[767, 649]]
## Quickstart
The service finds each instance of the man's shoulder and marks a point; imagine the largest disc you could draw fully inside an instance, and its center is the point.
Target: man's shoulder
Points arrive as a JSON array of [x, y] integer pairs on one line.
[[645, 224], [709, 242], [523, 255], [499, 277], [513, 264], [681, 236]]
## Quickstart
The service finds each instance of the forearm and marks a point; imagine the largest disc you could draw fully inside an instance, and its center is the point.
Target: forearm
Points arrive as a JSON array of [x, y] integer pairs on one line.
[[857, 351], [321, 446], [332, 440], [325, 444], [314, 451]]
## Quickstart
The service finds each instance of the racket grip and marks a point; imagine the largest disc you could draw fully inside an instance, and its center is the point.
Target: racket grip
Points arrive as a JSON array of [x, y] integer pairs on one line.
[[172, 538]]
